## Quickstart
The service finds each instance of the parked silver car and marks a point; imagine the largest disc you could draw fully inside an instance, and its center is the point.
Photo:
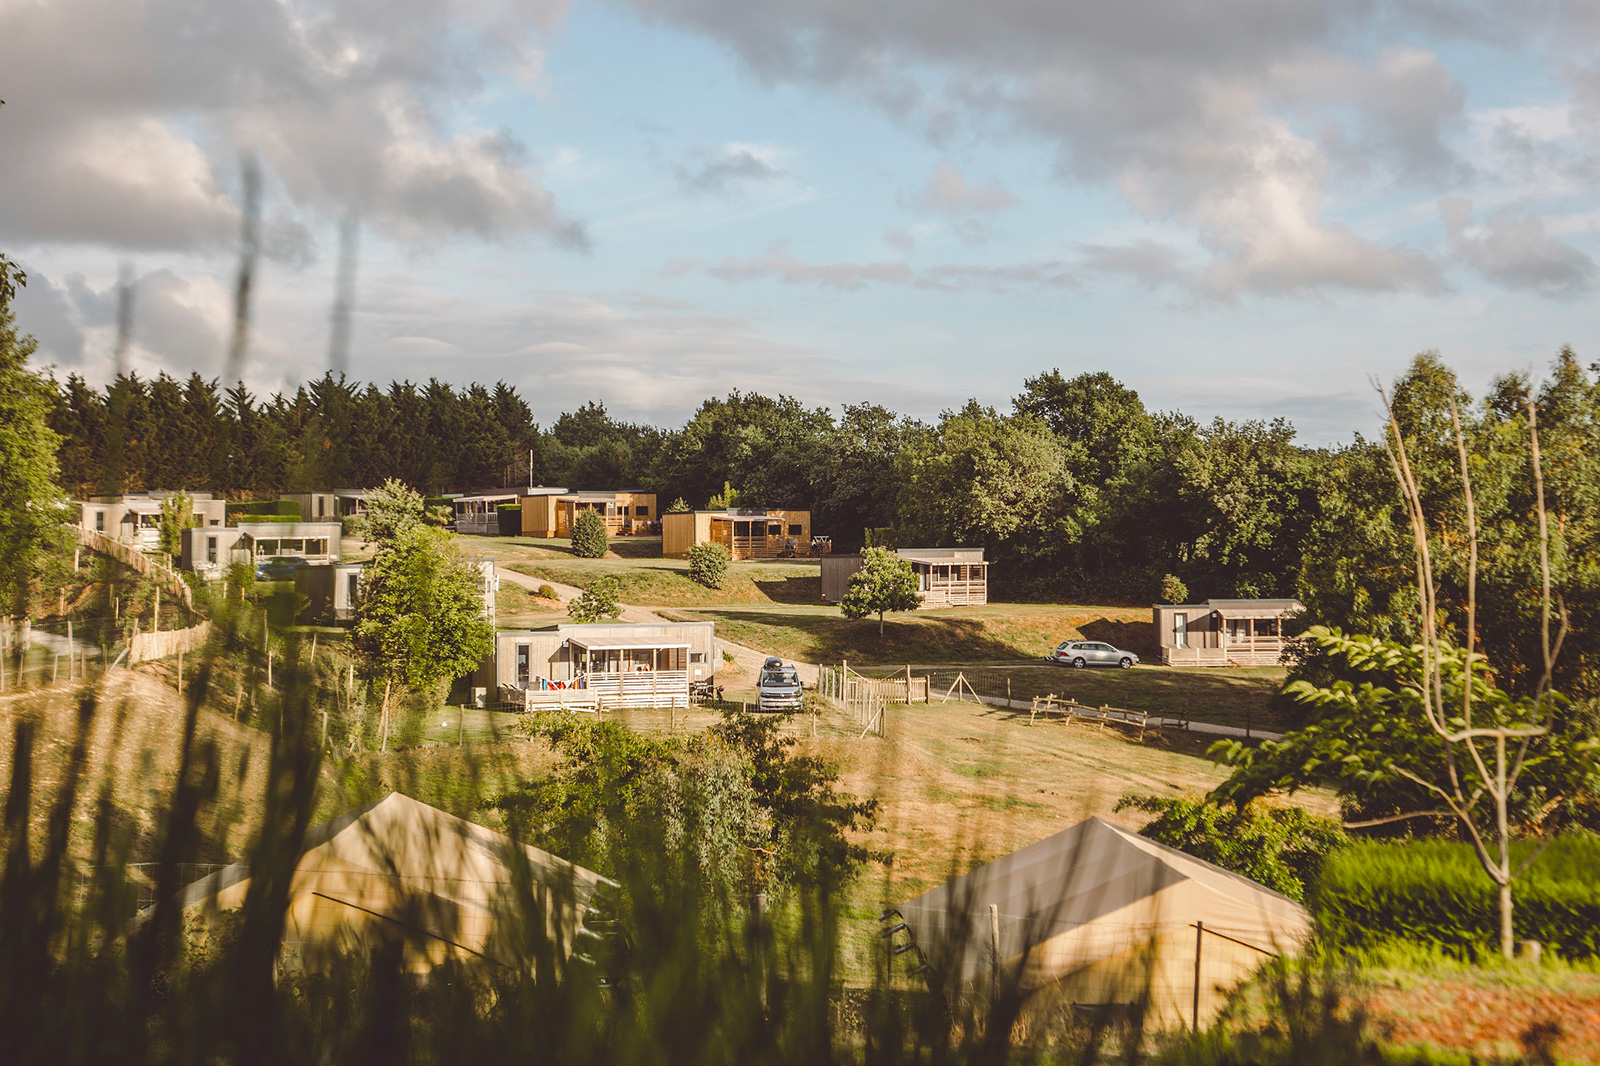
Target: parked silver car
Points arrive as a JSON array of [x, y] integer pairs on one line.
[[1082, 653], [779, 687]]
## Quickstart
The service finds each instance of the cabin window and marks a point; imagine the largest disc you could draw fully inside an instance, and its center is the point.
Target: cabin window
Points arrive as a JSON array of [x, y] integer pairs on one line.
[[642, 511], [352, 588], [215, 522], [796, 529], [1180, 630], [317, 546], [211, 549], [697, 656], [322, 506], [296, 545], [524, 655], [266, 547], [774, 529], [1238, 628], [1266, 627], [99, 521]]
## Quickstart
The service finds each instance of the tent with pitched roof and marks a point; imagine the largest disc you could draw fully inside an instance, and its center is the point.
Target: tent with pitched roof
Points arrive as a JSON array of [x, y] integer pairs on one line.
[[1104, 916], [447, 887]]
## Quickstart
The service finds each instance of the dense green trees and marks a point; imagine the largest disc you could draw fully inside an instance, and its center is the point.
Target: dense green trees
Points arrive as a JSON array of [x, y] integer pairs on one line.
[[1078, 492], [29, 500]]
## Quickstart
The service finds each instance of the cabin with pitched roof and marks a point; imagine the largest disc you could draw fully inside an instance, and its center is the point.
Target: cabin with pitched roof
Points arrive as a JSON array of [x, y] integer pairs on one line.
[[1223, 632]]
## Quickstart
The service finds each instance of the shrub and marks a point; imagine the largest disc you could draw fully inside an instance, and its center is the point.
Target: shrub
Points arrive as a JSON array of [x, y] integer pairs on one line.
[[1173, 590], [597, 602], [589, 535], [678, 506], [509, 516], [1434, 892], [708, 564], [546, 592], [1280, 847]]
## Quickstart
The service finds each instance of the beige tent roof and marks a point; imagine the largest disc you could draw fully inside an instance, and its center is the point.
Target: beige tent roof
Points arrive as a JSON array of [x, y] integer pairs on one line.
[[401, 866], [1110, 917]]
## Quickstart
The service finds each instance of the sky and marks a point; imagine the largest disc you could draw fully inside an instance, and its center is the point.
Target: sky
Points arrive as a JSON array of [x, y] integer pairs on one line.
[[1246, 208]]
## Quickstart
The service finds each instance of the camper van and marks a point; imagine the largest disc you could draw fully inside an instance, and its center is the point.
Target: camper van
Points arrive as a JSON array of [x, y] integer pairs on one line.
[[779, 686]]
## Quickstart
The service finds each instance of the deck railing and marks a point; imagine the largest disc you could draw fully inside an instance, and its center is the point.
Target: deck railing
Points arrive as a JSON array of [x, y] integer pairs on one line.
[[604, 692]]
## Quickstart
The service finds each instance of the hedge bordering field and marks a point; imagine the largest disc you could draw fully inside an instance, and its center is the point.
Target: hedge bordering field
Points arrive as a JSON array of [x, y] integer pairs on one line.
[[1434, 892]]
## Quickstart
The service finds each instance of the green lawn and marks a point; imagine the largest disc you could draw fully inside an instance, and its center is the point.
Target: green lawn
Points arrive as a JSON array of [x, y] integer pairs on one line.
[[816, 632], [666, 583], [1237, 696]]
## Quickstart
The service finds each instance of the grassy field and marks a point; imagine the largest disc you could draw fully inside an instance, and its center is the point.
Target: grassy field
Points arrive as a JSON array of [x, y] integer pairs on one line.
[[517, 608], [815, 632]]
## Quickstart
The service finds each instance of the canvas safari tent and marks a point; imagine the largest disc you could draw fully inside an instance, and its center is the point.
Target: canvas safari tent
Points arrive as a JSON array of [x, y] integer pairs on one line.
[[401, 868], [1099, 915]]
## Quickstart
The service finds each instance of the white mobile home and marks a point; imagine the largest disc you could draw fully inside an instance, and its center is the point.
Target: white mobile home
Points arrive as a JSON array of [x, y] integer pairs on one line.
[[604, 664]]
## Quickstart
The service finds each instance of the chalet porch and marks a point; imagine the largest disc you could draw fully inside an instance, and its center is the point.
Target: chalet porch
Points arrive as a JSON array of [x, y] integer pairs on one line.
[[758, 538], [606, 675], [952, 584]]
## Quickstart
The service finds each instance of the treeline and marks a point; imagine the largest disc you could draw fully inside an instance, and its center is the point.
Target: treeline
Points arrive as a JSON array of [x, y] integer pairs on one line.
[[1078, 491]]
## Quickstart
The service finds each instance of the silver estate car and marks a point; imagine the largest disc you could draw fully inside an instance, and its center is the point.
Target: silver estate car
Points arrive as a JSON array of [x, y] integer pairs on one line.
[[1082, 653]]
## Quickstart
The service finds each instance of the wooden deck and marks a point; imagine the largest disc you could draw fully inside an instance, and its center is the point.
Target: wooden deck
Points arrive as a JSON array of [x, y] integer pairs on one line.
[[1257, 651]]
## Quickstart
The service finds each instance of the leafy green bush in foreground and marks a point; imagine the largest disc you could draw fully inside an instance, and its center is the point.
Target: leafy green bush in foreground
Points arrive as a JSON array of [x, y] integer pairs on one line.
[[1434, 892]]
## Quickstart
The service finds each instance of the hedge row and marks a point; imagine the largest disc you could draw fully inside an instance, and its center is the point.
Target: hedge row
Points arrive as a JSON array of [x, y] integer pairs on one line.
[[263, 510], [1435, 892]]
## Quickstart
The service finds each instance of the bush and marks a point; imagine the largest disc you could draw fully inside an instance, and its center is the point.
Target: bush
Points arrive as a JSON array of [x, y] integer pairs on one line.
[[708, 564], [262, 511], [1280, 847], [597, 602], [589, 535], [510, 519], [678, 506], [546, 592], [1434, 892], [1173, 590]]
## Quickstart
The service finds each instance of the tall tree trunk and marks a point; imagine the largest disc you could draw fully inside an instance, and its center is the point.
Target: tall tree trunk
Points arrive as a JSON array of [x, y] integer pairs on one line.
[[383, 715], [880, 623], [1503, 828]]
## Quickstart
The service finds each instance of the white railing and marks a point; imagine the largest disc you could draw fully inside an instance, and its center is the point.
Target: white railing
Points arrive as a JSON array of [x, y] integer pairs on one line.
[[604, 692]]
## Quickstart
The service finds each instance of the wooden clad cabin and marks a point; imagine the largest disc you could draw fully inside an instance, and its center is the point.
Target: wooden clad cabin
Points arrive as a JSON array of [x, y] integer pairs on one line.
[[621, 664], [946, 577], [1223, 632], [550, 513], [539, 510], [747, 533], [624, 511]]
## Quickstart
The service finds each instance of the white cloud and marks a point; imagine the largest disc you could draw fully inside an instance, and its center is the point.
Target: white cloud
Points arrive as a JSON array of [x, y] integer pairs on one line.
[[124, 122], [1517, 251], [1198, 114], [732, 169]]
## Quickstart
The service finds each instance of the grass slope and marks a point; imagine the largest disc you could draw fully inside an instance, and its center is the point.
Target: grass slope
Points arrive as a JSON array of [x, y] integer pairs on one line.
[[815, 632]]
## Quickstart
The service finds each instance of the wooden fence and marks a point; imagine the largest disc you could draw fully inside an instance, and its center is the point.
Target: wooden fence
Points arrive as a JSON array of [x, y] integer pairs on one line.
[[867, 698], [138, 561], [145, 647]]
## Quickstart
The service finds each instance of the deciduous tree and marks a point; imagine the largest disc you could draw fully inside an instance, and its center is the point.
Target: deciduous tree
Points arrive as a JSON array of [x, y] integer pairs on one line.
[[421, 621], [885, 582]]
